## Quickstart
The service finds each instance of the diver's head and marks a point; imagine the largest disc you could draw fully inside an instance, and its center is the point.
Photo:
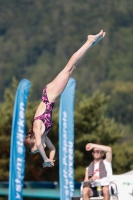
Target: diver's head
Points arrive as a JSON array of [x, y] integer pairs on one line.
[[30, 143]]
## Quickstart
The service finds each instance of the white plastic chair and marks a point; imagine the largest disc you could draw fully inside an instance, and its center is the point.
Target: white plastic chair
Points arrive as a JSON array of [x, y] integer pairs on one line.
[[113, 191]]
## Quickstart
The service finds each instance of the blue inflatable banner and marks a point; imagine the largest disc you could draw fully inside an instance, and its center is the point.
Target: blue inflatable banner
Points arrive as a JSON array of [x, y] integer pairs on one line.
[[17, 150], [66, 141]]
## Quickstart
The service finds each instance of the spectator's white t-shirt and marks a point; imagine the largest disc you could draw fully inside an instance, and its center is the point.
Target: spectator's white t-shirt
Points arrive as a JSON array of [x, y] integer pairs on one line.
[[106, 180], [96, 169]]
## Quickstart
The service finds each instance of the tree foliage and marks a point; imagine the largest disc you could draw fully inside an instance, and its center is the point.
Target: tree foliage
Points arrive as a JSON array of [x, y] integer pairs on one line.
[[91, 125], [37, 36], [121, 101]]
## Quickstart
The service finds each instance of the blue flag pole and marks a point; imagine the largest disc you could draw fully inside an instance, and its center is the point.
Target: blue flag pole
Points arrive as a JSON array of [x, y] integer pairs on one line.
[[66, 141], [17, 152]]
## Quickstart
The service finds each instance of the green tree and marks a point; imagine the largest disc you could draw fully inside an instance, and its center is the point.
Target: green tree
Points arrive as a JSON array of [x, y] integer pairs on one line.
[[91, 125], [37, 36], [120, 104], [6, 110]]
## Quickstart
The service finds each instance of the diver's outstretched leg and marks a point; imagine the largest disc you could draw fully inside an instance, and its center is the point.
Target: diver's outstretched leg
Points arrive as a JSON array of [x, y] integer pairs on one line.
[[56, 87]]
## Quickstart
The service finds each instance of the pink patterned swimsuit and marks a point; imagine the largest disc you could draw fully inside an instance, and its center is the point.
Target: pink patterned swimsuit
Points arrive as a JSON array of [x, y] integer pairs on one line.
[[46, 117]]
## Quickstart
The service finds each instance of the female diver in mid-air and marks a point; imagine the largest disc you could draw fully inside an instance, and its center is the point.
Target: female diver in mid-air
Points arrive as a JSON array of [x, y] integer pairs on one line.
[[37, 139]]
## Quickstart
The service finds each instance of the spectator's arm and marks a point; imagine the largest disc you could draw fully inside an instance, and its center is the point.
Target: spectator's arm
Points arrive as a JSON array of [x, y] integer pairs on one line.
[[107, 149], [86, 176], [86, 179]]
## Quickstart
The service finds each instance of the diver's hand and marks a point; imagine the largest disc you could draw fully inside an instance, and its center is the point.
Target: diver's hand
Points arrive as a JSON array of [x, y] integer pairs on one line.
[[48, 163]]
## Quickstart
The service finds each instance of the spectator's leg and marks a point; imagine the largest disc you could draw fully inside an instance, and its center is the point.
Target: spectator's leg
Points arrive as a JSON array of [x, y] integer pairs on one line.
[[87, 193], [106, 193]]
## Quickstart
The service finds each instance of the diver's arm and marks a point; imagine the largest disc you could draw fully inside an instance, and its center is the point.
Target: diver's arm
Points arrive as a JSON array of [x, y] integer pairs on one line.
[[51, 148], [37, 132]]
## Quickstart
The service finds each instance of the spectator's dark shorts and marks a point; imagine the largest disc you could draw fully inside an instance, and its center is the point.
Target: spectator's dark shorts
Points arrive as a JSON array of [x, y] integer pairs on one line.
[[95, 193]]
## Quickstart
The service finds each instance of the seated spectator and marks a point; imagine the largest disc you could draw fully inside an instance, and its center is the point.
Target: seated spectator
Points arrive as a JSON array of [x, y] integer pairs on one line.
[[99, 170]]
